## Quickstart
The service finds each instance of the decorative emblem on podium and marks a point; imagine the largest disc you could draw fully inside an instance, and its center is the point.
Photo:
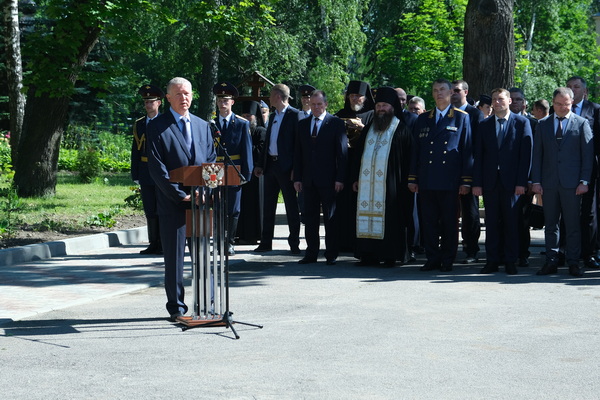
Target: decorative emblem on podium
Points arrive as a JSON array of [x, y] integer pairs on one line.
[[213, 175]]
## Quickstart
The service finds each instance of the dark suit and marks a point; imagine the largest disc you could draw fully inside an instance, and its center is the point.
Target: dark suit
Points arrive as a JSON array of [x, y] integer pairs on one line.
[[277, 171], [559, 168], [139, 168], [498, 170], [469, 204], [168, 151], [589, 212], [523, 205], [319, 163], [236, 140], [441, 161]]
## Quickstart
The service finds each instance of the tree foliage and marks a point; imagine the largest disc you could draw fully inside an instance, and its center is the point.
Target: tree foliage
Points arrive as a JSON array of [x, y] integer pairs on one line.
[[84, 60], [555, 40], [428, 46]]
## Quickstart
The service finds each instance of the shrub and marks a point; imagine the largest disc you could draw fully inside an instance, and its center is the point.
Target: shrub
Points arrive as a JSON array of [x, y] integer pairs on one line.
[[114, 150], [5, 157], [10, 205], [88, 165], [135, 199]]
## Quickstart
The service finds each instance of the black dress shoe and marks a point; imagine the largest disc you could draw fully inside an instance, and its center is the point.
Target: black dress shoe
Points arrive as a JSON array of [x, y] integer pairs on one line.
[[295, 250], [575, 270], [511, 269], [429, 266], [307, 260], [230, 250], [151, 249], [330, 261], [547, 269], [446, 268], [263, 249], [368, 261], [490, 268], [592, 263], [412, 256], [173, 317], [470, 259], [523, 262]]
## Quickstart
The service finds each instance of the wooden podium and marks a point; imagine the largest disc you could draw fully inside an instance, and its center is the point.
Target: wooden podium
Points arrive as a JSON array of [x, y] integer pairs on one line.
[[206, 229]]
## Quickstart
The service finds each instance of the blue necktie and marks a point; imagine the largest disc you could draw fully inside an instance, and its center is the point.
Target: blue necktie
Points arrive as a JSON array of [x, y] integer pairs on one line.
[[187, 134], [501, 121]]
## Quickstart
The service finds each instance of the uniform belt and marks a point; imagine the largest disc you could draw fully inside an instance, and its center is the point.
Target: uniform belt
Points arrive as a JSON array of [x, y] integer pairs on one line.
[[144, 159], [274, 158], [233, 157]]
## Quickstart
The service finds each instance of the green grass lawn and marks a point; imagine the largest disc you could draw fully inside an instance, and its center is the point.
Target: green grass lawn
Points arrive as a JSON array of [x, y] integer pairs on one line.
[[75, 204]]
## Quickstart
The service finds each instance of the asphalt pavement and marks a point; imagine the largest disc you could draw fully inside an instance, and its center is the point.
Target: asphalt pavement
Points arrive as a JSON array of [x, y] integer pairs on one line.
[[91, 324]]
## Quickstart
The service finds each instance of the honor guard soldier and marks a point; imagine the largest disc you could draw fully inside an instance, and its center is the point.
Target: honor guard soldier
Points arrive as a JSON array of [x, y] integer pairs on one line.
[[152, 96], [305, 92], [235, 138]]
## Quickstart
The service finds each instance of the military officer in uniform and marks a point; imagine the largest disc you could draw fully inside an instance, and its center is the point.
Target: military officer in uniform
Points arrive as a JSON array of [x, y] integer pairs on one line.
[[441, 169], [236, 140], [152, 96], [305, 91]]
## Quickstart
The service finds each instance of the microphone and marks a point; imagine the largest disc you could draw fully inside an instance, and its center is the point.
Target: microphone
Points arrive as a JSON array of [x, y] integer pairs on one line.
[[216, 133]]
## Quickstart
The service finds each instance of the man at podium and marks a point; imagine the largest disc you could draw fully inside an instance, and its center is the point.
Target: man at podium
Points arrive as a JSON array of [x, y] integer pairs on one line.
[[177, 139]]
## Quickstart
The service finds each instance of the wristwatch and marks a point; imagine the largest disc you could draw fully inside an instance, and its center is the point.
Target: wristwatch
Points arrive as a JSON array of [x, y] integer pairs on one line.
[[585, 183]]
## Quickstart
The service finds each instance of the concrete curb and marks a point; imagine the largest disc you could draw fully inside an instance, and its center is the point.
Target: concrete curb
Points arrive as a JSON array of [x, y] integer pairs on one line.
[[77, 245]]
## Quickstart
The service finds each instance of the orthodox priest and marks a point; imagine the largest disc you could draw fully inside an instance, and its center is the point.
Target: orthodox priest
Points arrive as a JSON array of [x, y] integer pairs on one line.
[[380, 180], [357, 111]]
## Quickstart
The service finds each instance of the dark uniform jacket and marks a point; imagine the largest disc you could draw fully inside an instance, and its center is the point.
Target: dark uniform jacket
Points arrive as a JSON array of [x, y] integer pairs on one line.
[[442, 154], [237, 141], [139, 154]]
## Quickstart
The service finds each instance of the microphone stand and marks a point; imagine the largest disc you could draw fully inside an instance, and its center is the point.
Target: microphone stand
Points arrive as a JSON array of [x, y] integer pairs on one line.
[[227, 316]]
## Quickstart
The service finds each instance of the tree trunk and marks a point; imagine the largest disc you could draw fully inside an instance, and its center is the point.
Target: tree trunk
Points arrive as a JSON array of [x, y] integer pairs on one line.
[[208, 79], [43, 126], [16, 99], [489, 46], [38, 158]]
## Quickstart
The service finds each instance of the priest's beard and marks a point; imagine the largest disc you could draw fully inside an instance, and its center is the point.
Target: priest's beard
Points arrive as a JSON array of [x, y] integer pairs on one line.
[[357, 107], [382, 121]]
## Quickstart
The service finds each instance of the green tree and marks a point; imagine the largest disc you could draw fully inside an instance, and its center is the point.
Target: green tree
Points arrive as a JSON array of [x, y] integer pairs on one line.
[[555, 40], [429, 46], [58, 53], [309, 42]]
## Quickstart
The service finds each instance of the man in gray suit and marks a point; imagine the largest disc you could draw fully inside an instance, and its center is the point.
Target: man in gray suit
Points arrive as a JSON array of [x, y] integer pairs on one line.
[[563, 154]]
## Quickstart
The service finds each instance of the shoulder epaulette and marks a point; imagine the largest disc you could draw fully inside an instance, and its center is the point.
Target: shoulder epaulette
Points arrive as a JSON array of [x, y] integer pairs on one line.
[[459, 110]]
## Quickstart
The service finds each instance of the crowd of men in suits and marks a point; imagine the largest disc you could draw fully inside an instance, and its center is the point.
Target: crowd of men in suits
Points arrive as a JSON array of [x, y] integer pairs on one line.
[[456, 153], [389, 177]]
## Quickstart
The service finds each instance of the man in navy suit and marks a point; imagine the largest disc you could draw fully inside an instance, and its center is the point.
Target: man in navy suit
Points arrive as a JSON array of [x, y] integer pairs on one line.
[[440, 170], [589, 211], [500, 172], [276, 166], [469, 203], [177, 139], [235, 139], [518, 106], [319, 170], [152, 96], [563, 157]]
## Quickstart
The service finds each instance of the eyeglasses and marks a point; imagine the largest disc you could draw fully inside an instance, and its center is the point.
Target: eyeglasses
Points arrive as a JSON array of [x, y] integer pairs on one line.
[[457, 90]]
